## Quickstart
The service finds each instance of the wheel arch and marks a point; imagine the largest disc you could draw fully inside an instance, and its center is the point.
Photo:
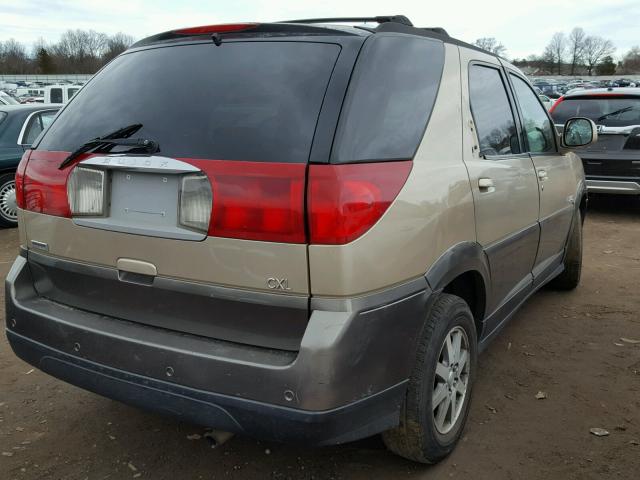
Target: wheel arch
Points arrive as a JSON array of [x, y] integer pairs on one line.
[[463, 271]]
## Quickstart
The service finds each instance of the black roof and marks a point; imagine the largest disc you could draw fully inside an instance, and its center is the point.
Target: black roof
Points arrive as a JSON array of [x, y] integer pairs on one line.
[[319, 26]]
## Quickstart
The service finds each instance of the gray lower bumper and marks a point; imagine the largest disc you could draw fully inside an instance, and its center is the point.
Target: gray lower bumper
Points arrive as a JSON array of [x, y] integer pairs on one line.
[[355, 360], [613, 186]]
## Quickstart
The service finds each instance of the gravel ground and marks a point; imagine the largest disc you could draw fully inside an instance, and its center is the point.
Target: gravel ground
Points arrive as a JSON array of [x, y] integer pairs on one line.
[[567, 345]]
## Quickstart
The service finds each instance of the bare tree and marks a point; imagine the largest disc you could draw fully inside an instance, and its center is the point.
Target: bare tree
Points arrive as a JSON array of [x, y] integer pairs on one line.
[[80, 51], [595, 49], [116, 44], [555, 51], [631, 61], [13, 57], [490, 44], [576, 47]]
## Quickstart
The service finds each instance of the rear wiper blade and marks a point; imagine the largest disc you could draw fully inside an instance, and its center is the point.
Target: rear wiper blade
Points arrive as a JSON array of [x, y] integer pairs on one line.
[[615, 112], [115, 138]]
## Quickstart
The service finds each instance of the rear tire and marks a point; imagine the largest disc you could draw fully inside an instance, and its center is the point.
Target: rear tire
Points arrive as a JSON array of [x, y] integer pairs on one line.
[[425, 434], [8, 207], [570, 277]]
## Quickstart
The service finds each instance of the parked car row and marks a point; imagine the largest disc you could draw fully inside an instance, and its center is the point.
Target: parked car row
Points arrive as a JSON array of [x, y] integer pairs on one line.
[[48, 94], [555, 88]]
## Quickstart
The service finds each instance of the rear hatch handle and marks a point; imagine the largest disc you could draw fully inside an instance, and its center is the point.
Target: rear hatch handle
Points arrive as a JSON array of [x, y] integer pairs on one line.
[[136, 271]]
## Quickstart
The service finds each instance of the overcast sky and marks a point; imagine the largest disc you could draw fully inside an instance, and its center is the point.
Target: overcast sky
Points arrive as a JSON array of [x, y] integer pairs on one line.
[[524, 27]]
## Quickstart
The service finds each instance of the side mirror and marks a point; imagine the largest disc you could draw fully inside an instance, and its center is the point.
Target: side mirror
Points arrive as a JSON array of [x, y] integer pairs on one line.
[[579, 132]]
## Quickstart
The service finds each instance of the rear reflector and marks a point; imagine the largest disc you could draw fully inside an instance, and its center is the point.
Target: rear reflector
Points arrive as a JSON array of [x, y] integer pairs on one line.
[[256, 201], [344, 201], [86, 189], [222, 28]]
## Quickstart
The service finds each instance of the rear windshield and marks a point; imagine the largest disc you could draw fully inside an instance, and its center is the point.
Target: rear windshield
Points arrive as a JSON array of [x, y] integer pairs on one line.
[[607, 111], [256, 101]]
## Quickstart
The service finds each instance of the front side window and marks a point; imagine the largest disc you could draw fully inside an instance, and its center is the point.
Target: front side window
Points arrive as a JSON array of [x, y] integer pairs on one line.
[[492, 112], [536, 124]]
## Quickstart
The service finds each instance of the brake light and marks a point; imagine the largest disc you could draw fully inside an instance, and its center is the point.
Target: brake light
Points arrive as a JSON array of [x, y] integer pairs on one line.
[[22, 166], [256, 201], [345, 201], [222, 28], [44, 186], [555, 104]]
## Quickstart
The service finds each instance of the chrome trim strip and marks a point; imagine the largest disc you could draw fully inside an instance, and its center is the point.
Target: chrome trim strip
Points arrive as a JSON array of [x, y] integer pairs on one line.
[[148, 164]]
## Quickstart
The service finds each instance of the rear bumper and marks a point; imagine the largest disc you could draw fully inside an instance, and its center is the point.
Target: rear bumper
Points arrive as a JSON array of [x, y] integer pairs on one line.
[[621, 187], [347, 381]]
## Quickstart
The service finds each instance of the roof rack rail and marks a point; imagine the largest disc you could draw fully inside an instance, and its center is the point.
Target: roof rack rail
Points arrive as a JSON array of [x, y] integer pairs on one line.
[[380, 19]]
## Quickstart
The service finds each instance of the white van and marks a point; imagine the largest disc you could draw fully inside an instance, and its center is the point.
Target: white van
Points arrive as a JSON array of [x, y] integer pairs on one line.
[[60, 93]]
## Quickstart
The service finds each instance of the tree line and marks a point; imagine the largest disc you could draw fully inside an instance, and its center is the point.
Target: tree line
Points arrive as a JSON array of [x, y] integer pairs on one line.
[[574, 54], [77, 51]]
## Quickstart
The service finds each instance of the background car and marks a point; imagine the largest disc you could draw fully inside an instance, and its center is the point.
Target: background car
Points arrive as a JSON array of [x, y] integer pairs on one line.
[[546, 101], [610, 164], [6, 99], [20, 125]]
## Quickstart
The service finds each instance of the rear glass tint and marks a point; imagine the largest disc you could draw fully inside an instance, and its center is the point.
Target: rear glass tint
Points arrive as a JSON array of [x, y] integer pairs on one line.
[[389, 100], [255, 101], [607, 111]]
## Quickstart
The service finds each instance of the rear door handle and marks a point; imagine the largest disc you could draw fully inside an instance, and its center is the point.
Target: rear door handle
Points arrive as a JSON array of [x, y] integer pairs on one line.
[[486, 185], [542, 174]]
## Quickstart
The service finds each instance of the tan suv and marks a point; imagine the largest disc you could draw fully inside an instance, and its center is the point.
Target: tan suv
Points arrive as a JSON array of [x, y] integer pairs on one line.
[[295, 231]]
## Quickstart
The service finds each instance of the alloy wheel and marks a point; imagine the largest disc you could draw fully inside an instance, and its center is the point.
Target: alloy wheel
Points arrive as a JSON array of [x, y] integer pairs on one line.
[[451, 381], [8, 204]]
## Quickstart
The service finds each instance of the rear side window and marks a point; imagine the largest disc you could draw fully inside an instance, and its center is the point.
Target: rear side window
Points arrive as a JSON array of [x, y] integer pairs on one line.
[[3, 115], [609, 111], [253, 101], [536, 124], [390, 98], [492, 112], [56, 95], [37, 124]]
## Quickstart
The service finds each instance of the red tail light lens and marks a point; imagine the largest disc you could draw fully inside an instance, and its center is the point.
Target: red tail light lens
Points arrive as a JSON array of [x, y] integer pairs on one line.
[[44, 186], [256, 201], [222, 28], [22, 166], [344, 201]]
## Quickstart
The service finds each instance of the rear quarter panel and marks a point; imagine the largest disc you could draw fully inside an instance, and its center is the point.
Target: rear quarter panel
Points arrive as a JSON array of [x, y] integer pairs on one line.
[[433, 211]]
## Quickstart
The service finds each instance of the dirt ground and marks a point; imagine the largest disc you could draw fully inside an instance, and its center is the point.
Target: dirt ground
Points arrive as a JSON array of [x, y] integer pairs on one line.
[[567, 345]]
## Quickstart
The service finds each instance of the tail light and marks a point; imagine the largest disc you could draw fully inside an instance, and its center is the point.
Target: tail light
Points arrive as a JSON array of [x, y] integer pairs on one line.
[[555, 104], [44, 186], [344, 201], [256, 201], [234, 199], [87, 192], [195, 202]]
